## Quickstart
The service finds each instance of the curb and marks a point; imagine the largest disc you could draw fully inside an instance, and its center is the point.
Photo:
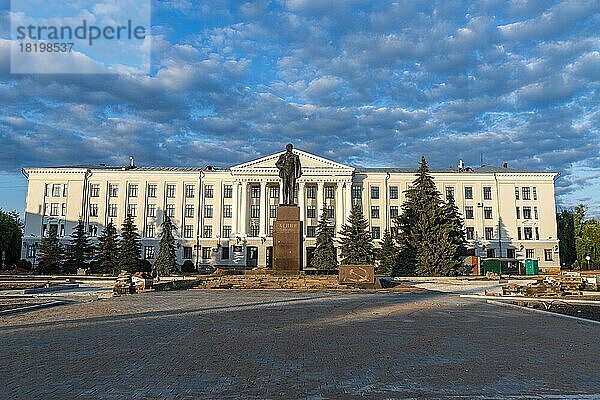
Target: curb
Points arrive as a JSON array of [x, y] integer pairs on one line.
[[31, 308], [547, 313]]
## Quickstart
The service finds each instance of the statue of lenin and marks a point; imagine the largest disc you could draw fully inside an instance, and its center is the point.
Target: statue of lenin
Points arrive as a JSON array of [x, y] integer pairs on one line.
[[289, 170]]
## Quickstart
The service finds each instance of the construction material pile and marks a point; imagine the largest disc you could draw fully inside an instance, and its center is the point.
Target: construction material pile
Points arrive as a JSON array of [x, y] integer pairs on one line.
[[560, 285]]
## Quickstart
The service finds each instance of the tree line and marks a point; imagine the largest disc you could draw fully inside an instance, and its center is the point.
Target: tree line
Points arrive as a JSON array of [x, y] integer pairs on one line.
[[579, 238]]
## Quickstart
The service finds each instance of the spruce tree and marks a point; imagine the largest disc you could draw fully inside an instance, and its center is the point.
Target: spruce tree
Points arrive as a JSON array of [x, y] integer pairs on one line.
[[79, 252], [166, 261], [51, 252], [325, 256], [129, 246], [387, 255], [356, 244], [108, 251]]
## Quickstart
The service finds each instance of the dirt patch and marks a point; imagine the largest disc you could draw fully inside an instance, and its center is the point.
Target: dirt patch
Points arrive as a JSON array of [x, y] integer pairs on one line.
[[591, 312], [12, 304]]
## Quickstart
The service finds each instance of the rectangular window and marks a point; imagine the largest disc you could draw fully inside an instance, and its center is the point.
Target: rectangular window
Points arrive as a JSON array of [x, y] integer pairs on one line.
[[526, 212], [526, 193], [489, 233], [375, 232], [208, 211], [517, 192], [470, 233], [170, 191], [149, 252], [112, 210], [272, 211], [133, 190], [468, 212], [207, 231], [113, 190], [530, 253], [535, 212], [534, 193], [93, 210], [255, 192], [56, 190], [510, 253], [311, 212], [62, 230], [227, 191], [227, 211], [374, 192], [469, 192], [537, 233], [270, 232], [31, 251], [519, 236], [208, 191], [225, 253], [393, 211], [93, 230], [528, 233], [95, 190], [374, 211], [152, 190], [356, 192], [226, 231], [170, 210], [152, 210], [188, 231], [449, 192], [255, 211], [274, 192], [189, 211], [330, 212], [206, 253], [487, 212], [187, 253], [329, 192], [548, 255], [393, 192], [63, 209], [311, 192], [518, 210], [54, 209], [491, 253], [190, 191], [132, 210], [47, 189], [254, 230], [150, 231], [311, 231], [487, 193]]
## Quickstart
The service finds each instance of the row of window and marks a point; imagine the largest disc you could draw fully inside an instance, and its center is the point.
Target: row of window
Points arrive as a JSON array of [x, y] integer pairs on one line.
[[55, 209], [133, 190], [525, 193], [56, 190], [393, 192]]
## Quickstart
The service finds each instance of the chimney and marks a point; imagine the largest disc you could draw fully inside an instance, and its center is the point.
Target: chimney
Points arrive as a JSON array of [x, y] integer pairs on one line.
[[504, 165], [461, 165], [131, 162]]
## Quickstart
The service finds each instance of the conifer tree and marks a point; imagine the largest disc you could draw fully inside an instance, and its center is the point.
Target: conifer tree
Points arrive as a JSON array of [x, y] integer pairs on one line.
[[356, 245], [166, 261], [129, 246], [79, 252], [51, 252], [387, 255], [108, 250], [325, 256]]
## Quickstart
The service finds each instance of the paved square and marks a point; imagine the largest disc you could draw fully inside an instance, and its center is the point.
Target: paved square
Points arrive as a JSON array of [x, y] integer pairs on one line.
[[286, 344]]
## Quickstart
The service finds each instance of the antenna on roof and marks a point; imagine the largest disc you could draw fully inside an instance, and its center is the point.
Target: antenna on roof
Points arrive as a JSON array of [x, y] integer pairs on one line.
[[131, 162], [481, 159]]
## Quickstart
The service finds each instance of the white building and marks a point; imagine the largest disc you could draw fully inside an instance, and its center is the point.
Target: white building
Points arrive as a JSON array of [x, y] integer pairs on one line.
[[224, 216]]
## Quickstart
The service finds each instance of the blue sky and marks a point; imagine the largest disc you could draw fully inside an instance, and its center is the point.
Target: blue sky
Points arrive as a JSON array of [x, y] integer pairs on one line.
[[368, 83]]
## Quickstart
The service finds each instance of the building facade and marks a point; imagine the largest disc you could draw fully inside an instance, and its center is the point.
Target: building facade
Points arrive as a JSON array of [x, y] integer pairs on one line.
[[224, 217]]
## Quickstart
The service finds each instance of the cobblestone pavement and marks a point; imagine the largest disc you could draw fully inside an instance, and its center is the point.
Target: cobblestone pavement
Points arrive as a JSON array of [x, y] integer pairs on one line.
[[287, 344]]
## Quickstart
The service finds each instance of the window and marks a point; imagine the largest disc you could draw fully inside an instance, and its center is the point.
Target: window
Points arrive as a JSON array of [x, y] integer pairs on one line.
[[535, 212], [393, 192], [152, 210], [207, 231], [274, 192], [226, 231], [189, 211], [255, 211], [487, 212], [537, 233], [329, 192], [208, 191], [133, 190], [152, 190], [491, 253], [487, 193], [518, 210], [95, 190], [528, 233], [63, 209], [187, 253], [93, 230], [47, 189], [93, 210], [132, 210], [150, 231], [31, 250], [330, 212], [227, 211], [65, 190], [56, 190], [225, 253], [254, 230], [547, 254], [170, 210], [526, 193], [113, 190], [535, 195], [188, 231], [510, 253], [311, 212], [393, 211], [170, 191], [270, 233], [517, 192], [311, 231], [54, 209], [206, 252], [529, 253], [468, 212], [376, 232], [374, 211], [272, 211], [190, 191], [374, 192], [449, 192], [489, 233], [62, 230], [470, 233], [255, 192], [227, 191], [468, 192], [112, 210], [356, 192], [311, 192], [149, 252], [519, 236], [208, 211], [526, 212]]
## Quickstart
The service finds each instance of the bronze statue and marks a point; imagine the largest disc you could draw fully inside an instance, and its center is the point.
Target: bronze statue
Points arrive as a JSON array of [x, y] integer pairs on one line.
[[289, 170]]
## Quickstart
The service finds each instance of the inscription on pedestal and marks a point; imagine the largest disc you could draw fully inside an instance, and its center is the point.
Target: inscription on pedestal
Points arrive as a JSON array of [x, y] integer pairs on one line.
[[286, 240]]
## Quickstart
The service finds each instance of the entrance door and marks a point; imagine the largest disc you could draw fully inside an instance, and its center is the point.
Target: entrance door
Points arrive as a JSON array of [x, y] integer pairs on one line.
[[252, 256], [269, 257]]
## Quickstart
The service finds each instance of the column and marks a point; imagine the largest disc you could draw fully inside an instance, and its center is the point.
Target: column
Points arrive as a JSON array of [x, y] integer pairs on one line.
[[234, 208], [301, 204], [244, 209], [264, 204], [347, 201], [339, 206], [281, 191], [320, 196]]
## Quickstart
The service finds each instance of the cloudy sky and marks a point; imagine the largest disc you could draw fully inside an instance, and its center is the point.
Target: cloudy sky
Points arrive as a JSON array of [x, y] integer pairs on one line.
[[368, 83]]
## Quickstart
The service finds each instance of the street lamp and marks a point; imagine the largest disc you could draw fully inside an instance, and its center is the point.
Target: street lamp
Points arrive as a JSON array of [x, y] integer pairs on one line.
[[197, 252], [588, 258]]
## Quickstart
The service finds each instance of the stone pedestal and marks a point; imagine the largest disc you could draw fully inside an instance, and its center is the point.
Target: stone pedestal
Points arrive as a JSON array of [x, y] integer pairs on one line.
[[287, 240]]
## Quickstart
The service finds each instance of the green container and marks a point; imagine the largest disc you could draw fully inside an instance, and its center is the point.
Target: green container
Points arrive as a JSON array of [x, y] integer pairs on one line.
[[531, 267], [501, 266], [492, 265]]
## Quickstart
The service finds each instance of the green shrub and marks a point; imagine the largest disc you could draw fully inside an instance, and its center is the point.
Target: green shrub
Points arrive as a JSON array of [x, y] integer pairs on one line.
[[188, 267]]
